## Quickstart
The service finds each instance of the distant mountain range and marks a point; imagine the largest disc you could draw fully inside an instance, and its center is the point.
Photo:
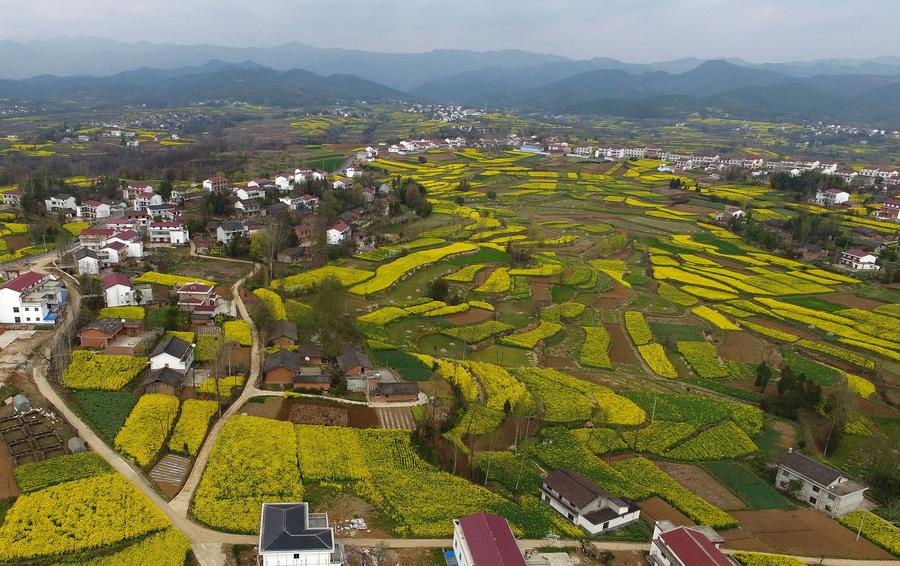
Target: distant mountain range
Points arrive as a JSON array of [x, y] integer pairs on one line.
[[402, 71], [105, 72], [215, 80]]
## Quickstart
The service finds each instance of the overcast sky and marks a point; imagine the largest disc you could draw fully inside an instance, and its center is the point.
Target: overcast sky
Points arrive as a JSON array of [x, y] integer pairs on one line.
[[631, 30]]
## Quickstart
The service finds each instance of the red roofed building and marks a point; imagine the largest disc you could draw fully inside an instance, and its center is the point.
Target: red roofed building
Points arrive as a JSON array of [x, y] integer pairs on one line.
[[484, 539], [890, 210], [686, 546], [194, 296], [94, 238], [215, 184], [338, 234], [31, 298]]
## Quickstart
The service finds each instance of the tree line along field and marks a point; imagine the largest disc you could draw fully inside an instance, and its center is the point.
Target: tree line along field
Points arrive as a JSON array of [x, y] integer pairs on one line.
[[600, 312]]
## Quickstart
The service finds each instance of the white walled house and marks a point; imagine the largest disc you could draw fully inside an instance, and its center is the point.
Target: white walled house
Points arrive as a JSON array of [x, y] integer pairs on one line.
[[289, 535], [132, 240], [284, 181], [113, 253], [215, 184], [12, 198], [144, 200], [31, 298], [822, 487], [87, 262], [858, 260], [118, 291], [584, 504], [338, 234], [93, 209], [134, 189], [831, 197], [172, 233], [227, 231], [61, 202], [485, 539], [172, 353]]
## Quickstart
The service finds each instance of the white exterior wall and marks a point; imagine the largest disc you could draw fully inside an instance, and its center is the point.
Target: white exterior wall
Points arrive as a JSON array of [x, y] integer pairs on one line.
[[612, 524], [88, 266], [580, 521], [818, 496], [9, 299], [306, 558], [28, 313], [334, 237], [657, 555], [119, 296], [460, 547], [167, 360]]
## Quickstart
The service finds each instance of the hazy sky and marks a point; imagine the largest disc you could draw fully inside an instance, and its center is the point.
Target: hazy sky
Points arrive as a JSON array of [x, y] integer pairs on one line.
[[631, 30]]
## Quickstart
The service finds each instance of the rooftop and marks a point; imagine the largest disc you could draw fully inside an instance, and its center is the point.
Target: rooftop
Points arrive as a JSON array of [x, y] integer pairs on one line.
[[290, 527], [114, 279], [24, 281], [174, 346], [282, 359], [490, 540], [694, 549], [809, 468]]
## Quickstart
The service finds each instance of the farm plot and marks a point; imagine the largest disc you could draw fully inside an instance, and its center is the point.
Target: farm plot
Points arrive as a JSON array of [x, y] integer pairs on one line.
[[747, 485]]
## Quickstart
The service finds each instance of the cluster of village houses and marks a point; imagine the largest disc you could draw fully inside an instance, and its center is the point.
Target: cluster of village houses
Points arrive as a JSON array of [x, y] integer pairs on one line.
[[484, 538]]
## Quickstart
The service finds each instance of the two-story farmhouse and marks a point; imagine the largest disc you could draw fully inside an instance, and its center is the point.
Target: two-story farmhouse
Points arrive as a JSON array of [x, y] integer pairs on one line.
[[584, 504], [858, 260], [31, 298], [821, 486], [289, 535]]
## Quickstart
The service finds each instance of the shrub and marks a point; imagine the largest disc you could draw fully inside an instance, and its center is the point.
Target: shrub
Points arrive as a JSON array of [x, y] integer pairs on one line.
[[655, 357], [476, 333], [497, 282], [389, 273], [224, 386], [703, 358], [725, 440], [253, 461], [874, 528], [271, 298], [207, 347]]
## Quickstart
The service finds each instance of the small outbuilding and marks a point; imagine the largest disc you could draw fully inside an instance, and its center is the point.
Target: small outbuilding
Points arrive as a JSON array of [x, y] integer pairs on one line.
[[76, 445], [21, 403]]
